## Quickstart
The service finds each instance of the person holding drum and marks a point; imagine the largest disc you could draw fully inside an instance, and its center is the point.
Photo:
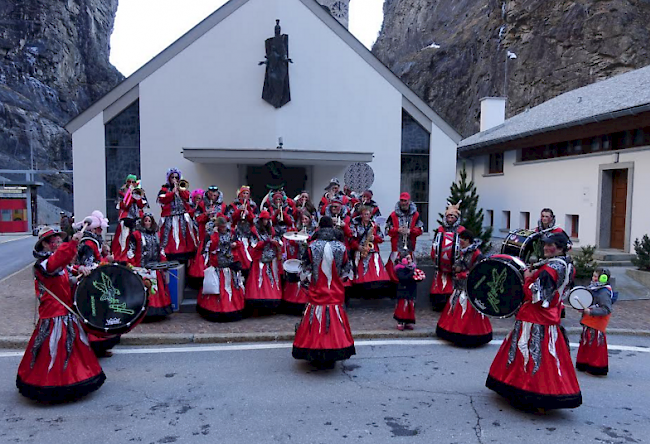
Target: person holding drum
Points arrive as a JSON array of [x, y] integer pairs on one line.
[[242, 212], [145, 251], [58, 364], [444, 252], [224, 252], [533, 367], [370, 273], [323, 335], [459, 322], [207, 210], [294, 294], [263, 286], [403, 226], [130, 206], [177, 235], [592, 352], [546, 224]]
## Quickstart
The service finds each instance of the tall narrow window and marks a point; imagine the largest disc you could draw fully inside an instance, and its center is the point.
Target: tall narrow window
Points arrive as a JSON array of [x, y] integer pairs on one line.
[[506, 220], [414, 177], [122, 135], [573, 222], [490, 217], [496, 163], [524, 220]]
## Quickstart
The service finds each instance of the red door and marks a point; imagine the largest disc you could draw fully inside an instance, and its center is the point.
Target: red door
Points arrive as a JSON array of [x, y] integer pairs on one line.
[[619, 208]]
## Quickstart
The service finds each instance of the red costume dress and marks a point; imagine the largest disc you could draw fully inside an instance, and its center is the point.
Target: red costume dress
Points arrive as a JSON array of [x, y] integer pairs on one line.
[[58, 364], [369, 270], [326, 200], [459, 322], [294, 293], [177, 235], [443, 286], [130, 208], [242, 215], [533, 367], [324, 333], [228, 305], [205, 211], [145, 249], [398, 218], [592, 352], [263, 286], [406, 294]]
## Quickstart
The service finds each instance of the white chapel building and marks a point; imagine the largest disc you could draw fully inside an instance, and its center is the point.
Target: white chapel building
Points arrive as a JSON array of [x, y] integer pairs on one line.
[[585, 154], [198, 106]]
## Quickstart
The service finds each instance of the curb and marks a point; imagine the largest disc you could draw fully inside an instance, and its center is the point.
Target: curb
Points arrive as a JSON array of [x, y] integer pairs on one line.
[[20, 342]]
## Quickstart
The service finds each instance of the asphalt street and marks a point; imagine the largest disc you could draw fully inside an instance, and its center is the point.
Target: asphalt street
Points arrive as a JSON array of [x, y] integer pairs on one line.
[[411, 391], [15, 254]]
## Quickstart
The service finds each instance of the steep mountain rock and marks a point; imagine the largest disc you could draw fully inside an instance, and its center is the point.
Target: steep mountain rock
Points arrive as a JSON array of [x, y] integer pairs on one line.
[[454, 52], [54, 62]]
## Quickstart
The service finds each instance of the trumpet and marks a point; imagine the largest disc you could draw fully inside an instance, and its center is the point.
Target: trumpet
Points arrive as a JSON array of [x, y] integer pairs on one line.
[[405, 236], [279, 207], [183, 185], [138, 192]]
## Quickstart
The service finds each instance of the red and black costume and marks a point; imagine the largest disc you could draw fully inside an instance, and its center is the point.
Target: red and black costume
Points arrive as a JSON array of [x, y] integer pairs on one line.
[[228, 305], [177, 235], [58, 364], [369, 270], [366, 201], [263, 286], [242, 213], [205, 212], [145, 250], [406, 295], [294, 294], [443, 286], [409, 218], [533, 367], [130, 207], [459, 322], [330, 196], [324, 333], [592, 352]]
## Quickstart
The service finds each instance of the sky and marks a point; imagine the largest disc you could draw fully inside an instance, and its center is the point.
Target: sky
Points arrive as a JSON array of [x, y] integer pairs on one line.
[[143, 28]]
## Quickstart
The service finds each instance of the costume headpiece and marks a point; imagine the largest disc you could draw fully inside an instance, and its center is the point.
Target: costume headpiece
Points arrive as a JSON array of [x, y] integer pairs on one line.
[[96, 220], [172, 171], [265, 215], [197, 192], [560, 239], [131, 177], [333, 182], [242, 189], [453, 209], [45, 233], [404, 196]]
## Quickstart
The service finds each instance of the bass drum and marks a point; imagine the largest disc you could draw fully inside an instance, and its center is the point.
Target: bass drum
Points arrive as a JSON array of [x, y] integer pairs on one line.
[[446, 250], [520, 243], [495, 286], [111, 300]]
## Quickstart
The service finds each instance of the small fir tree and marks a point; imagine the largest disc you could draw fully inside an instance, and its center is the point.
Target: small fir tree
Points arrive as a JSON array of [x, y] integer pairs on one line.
[[584, 262], [642, 249], [471, 213]]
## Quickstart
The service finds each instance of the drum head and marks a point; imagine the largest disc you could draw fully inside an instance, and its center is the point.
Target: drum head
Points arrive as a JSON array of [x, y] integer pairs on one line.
[[292, 266], [580, 298], [296, 236], [495, 286], [111, 299]]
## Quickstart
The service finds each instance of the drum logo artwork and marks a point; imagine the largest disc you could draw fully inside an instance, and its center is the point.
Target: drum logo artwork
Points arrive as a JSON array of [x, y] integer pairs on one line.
[[109, 293], [496, 287]]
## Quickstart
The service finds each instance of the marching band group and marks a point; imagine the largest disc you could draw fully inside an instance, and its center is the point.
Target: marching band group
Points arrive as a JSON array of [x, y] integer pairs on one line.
[[289, 253]]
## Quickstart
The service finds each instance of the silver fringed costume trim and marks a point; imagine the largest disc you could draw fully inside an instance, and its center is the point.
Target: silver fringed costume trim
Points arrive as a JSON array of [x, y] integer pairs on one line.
[[57, 324]]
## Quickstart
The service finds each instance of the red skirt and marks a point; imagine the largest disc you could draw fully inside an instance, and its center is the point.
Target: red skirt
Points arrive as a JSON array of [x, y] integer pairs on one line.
[[196, 265], [243, 254], [373, 272], [294, 297], [323, 335], [160, 303], [592, 352], [390, 270], [442, 283], [177, 235], [263, 286], [228, 305], [461, 324], [538, 373], [58, 377], [405, 311]]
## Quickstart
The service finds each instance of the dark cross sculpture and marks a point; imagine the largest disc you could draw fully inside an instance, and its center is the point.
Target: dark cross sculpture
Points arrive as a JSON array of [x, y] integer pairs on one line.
[[276, 81]]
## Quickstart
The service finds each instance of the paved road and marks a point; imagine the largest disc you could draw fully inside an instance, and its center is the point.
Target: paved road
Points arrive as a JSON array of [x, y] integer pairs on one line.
[[15, 254], [408, 391]]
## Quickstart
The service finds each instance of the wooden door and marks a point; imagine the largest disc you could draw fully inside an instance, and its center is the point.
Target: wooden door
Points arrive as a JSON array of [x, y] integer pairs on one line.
[[619, 208]]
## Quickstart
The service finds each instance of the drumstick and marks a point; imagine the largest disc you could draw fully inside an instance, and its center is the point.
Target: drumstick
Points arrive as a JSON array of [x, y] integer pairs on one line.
[[578, 301], [87, 222]]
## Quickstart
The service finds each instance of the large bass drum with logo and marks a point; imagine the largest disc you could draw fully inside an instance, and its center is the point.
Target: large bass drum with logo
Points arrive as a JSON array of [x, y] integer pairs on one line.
[[446, 250], [111, 300], [495, 286], [520, 243]]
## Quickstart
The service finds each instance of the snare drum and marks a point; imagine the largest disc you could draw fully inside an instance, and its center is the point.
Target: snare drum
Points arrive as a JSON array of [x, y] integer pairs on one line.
[[296, 236], [111, 300], [495, 286], [520, 243], [580, 298], [446, 250], [292, 267]]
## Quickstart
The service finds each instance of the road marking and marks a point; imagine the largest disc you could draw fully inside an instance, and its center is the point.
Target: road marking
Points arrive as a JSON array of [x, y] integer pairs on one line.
[[16, 272], [285, 345], [14, 239]]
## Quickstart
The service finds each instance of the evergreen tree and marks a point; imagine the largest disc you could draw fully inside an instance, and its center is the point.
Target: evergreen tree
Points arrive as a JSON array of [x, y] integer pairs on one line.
[[642, 249], [471, 214]]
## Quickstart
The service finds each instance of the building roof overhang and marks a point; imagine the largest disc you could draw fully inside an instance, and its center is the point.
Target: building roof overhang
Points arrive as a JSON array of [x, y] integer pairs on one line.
[[260, 156]]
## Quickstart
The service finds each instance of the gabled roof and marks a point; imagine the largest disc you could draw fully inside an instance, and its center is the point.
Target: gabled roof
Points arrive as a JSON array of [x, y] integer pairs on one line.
[[127, 91], [624, 94]]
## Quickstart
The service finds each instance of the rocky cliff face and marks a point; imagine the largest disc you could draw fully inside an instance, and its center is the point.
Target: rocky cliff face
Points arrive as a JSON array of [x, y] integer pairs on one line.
[[53, 64], [454, 52]]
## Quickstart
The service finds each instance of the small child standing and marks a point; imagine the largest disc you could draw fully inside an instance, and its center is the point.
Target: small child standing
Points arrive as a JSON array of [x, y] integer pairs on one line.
[[592, 352], [406, 292]]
